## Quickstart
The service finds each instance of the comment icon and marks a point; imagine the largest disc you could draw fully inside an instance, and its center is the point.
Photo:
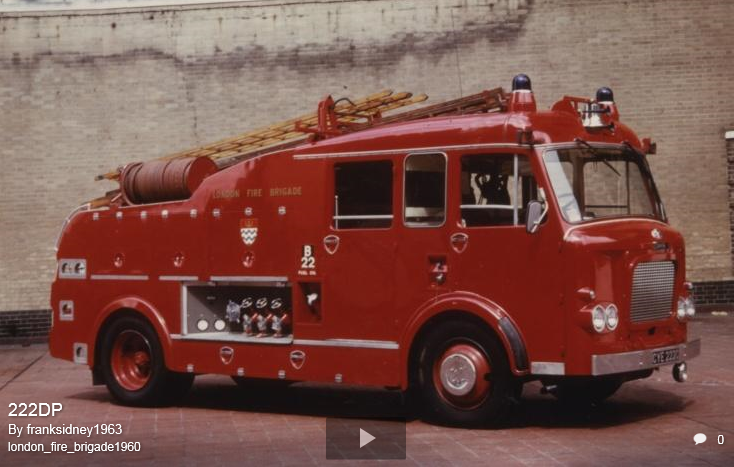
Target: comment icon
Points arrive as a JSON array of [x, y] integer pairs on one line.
[[699, 438]]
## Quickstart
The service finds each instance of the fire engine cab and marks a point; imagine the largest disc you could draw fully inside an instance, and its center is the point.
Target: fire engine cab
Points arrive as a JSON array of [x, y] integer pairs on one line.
[[453, 252]]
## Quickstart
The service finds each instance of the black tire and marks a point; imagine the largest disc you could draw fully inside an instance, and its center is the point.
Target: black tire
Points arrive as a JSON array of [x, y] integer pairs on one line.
[[160, 387], [516, 390], [490, 405], [586, 391]]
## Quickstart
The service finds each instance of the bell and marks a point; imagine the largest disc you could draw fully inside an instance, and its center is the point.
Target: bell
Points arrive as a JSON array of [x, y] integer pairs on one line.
[[592, 117]]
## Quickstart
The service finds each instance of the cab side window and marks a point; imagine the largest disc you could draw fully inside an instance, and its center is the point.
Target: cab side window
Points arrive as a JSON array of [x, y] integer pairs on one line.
[[363, 195], [495, 189], [425, 190]]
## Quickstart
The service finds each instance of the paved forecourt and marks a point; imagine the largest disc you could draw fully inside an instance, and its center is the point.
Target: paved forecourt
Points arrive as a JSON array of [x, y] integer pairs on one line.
[[648, 422]]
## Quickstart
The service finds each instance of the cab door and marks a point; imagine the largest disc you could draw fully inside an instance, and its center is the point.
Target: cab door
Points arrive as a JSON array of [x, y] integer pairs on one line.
[[492, 254], [359, 249]]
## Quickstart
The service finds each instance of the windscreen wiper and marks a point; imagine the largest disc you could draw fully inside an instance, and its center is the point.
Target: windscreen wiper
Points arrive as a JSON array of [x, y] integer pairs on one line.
[[594, 151]]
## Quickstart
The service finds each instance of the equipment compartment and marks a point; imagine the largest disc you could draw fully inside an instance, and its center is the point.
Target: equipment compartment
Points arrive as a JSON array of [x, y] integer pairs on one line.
[[238, 313]]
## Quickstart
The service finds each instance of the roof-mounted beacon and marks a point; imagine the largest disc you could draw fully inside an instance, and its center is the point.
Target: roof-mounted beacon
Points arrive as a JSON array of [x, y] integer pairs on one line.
[[522, 98]]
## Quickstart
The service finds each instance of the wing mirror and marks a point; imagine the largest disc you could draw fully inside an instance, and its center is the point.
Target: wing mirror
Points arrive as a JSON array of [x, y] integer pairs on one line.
[[535, 213], [532, 217]]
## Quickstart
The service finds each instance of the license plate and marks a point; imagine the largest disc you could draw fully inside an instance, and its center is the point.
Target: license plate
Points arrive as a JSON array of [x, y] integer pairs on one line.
[[665, 356]]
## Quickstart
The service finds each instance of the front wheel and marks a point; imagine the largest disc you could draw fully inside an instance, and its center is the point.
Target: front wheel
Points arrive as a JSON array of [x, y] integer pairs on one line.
[[464, 377], [133, 368]]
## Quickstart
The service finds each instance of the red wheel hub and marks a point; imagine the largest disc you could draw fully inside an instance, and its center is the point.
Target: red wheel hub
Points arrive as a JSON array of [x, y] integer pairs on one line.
[[131, 360], [460, 375]]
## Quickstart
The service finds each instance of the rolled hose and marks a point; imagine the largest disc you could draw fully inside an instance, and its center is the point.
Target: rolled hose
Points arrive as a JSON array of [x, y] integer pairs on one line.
[[164, 180]]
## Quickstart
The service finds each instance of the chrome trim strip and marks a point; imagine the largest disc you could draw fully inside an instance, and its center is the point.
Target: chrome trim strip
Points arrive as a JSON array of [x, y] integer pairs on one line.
[[333, 155], [119, 277], [184, 309], [548, 368], [77, 210], [360, 217], [624, 362], [488, 206], [248, 279], [573, 144], [179, 278], [355, 343], [450, 148], [231, 338], [160, 203]]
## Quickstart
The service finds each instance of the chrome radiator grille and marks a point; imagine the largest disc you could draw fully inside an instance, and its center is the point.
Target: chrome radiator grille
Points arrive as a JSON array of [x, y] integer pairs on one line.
[[652, 291]]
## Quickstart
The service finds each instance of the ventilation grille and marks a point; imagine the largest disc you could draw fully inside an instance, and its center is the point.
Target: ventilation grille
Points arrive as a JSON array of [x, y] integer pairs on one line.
[[652, 291]]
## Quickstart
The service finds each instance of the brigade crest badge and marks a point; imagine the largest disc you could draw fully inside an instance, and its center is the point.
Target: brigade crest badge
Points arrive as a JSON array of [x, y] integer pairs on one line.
[[298, 358], [248, 231], [226, 354]]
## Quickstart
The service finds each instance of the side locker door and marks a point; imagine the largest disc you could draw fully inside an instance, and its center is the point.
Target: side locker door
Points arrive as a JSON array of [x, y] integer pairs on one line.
[[304, 237], [422, 267], [359, 249]]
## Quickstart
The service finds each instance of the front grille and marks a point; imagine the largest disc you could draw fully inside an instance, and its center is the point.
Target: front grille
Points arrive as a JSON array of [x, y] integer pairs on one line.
[[652, 291]]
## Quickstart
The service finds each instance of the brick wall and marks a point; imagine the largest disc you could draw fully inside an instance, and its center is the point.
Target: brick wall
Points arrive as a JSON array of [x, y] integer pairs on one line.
[[83, 92], [714, 292], [20, 327], [730, 170]]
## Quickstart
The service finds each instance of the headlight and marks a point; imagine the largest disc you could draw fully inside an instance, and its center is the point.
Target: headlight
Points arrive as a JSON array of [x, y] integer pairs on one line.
[[690, 307], [597, 318], [611, 315], [680, 312]]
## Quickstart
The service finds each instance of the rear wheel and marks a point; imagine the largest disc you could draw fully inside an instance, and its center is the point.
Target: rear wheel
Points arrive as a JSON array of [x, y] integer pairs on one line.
[[463, 375], [133, 368]]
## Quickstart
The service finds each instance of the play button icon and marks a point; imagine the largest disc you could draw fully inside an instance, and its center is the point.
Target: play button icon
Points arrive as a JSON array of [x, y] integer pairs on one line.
[[354, 438], [365, 438]]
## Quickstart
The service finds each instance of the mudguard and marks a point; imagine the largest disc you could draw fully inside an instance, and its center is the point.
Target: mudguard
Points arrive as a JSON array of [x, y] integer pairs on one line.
[[486, 310], [145, 309]]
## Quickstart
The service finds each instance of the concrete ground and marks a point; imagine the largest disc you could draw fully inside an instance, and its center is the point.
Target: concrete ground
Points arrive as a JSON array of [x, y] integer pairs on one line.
[[648, 422]]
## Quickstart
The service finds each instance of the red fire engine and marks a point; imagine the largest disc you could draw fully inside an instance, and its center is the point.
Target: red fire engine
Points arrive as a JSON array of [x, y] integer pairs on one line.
[[454, 252]]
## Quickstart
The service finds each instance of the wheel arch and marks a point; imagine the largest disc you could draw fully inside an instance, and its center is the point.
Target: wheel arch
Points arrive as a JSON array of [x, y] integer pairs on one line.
[[463, 306], [128, 306]]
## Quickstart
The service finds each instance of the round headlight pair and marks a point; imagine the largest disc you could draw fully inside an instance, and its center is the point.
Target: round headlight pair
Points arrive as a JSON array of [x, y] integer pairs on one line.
[[605, 317], [597, 318], [686, 308], [611, 315]]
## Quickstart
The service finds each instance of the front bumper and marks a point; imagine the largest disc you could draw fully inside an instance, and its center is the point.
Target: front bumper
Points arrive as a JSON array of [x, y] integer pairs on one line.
[[627, 362]]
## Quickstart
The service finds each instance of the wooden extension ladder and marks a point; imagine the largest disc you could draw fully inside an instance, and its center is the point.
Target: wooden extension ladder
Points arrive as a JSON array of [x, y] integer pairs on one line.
[[332, 118]]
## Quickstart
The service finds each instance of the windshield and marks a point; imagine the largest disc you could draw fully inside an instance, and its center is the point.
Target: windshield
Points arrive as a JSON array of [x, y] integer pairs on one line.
[[592, 183]]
